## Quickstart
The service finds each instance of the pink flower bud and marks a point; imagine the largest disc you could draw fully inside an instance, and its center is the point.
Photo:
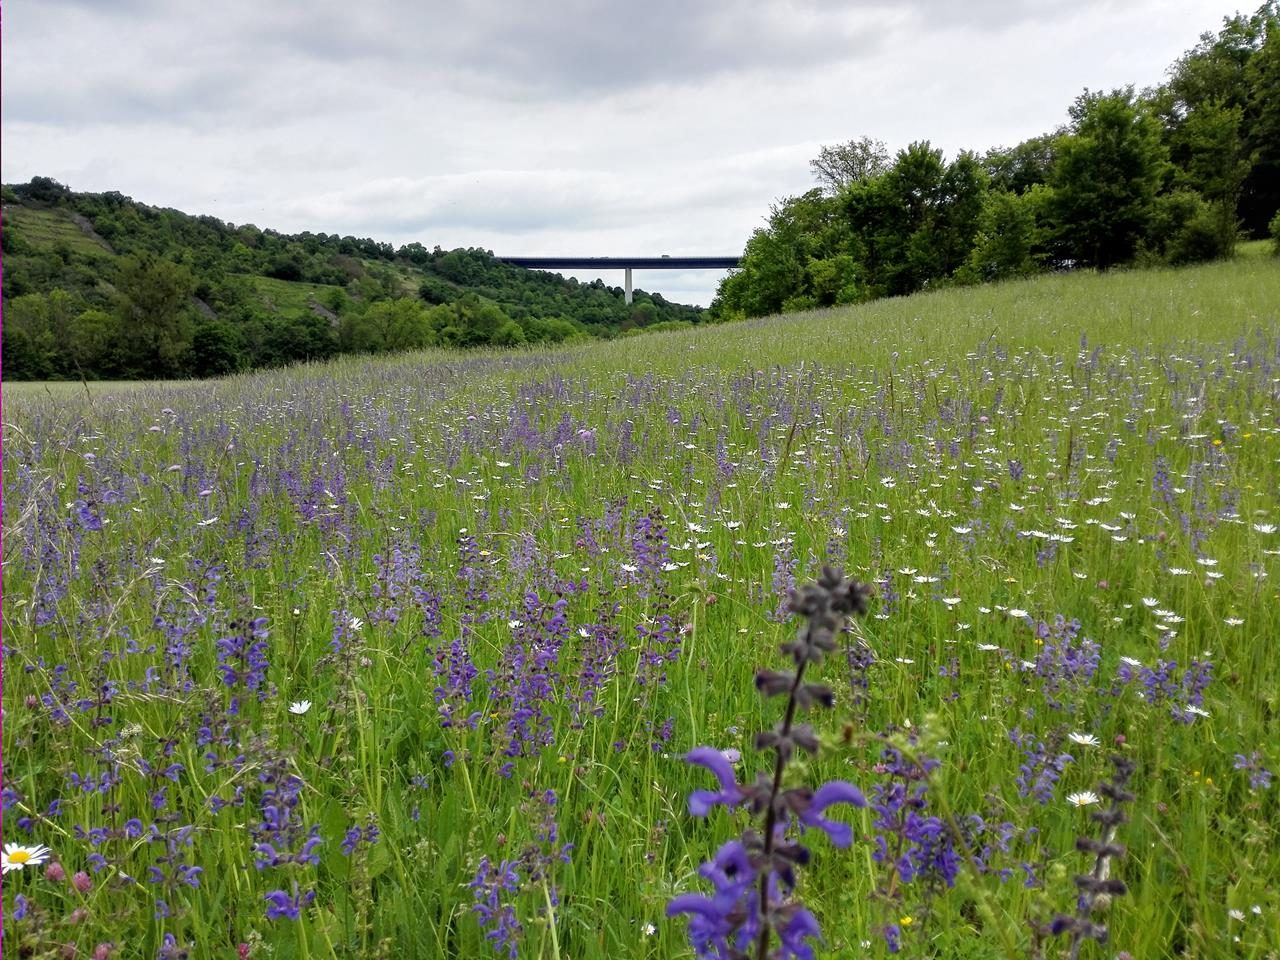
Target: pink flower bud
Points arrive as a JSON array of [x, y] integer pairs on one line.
[[103, 950], [78, 915], [69, 951], [31, 701], [55, 872], [82, 881]]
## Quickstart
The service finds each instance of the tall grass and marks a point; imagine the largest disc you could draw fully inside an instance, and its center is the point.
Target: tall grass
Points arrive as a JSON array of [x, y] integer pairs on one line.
[[516, 588]]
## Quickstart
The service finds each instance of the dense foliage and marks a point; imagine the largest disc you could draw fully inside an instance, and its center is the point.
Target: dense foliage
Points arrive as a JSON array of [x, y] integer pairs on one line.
[[103, 287], [1173, 175]]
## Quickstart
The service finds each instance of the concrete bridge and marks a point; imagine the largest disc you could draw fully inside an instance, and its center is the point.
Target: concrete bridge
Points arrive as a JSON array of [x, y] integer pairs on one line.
[[623, 263]]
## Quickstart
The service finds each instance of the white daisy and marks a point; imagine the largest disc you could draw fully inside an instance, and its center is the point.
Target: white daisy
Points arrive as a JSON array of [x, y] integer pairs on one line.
[[16, 856], [1018, 612], [300, 707], [1233, 621], [1084, 798], [1150, 602], [1084, 739]]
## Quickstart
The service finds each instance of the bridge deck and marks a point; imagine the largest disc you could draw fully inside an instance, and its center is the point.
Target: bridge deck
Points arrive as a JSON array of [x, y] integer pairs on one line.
[[623, 263]]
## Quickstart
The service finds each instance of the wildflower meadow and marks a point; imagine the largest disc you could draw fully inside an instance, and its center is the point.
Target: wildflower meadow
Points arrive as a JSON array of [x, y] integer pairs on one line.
[[532, 654]]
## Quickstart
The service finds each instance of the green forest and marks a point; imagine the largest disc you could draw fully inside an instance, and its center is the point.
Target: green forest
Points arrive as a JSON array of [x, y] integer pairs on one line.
[[1176, 174], [99, 286]]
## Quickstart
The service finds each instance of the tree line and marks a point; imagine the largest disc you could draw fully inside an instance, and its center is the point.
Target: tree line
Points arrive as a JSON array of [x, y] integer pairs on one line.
[[1174, 175], [130, 291]]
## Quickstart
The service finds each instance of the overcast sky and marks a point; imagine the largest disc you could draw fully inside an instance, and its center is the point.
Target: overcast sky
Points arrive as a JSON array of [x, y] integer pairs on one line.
[[552, 128]]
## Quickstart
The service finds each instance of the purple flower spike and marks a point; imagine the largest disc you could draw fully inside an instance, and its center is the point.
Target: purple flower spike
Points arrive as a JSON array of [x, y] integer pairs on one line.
[[755, 876], [802, 925], [701, 801], [837, 791]]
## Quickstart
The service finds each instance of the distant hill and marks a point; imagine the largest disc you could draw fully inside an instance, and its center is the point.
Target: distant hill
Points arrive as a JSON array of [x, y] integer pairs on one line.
[[100, 286]]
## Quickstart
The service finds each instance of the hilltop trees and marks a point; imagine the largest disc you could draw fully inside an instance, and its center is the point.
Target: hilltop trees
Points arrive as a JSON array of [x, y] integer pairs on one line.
[[842, 164], [1104, 179], [127, 290], [1224, 95], [1005, 238], [151, 305], [1169, 176], [911, 225], [1260, 126]]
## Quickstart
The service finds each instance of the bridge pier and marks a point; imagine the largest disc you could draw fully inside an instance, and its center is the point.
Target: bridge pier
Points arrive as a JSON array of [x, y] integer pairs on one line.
[[627, 288]]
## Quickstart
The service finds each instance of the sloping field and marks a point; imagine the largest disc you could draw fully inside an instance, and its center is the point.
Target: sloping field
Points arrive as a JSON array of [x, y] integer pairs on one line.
[[289, 298], [401, 658], [46, 228]]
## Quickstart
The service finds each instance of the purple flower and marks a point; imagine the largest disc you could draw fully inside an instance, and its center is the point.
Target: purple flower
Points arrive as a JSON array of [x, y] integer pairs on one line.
[[281, 906], [1259, 776], [730, 914], [503, 930], [838, 791], [701, 801], [801, 926]]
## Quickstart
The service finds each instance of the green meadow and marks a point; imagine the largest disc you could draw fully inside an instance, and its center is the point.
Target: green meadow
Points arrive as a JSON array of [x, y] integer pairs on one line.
[[401, 656]]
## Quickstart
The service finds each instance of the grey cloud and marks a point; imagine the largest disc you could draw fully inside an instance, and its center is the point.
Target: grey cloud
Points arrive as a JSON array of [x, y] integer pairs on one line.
[[186, 60]]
